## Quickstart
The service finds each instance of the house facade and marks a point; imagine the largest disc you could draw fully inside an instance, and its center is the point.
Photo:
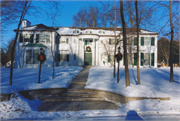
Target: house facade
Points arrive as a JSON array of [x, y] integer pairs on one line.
[[79, 46]]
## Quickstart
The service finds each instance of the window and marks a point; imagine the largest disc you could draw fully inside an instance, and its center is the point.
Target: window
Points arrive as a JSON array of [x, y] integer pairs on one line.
[[110, 58], [31, 56], [142, 41], [118, 42], [42, 38], [67, 40], [88, 42], [91, 32], [103, 32], [64, 57], [26, 38], [111, 42], [152, 41], [135, 40]]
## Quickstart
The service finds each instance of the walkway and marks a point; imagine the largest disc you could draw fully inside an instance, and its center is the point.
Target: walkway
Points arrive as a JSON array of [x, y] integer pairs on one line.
[[76, 98]]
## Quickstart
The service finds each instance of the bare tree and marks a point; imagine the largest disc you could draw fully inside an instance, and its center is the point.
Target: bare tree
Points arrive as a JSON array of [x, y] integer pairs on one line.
[[115, 39], [167, 7], [137, 24], [10, 11], [31, 10], [87, 17], [54, 11], [108, 50], [124, 44], [163, 49], [26, 7], [171, 42]]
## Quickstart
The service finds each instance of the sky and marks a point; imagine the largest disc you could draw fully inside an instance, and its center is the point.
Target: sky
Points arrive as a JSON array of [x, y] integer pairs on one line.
[[69, 8]]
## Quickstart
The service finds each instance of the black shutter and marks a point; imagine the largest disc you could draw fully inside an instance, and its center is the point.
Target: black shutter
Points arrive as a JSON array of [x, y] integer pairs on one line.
[[31, 38], [58, 57], [21, 38], [67, 57]]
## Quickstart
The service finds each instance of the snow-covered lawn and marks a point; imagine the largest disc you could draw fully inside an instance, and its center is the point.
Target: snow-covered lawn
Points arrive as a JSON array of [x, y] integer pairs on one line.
[[27, 78], [154, 83]]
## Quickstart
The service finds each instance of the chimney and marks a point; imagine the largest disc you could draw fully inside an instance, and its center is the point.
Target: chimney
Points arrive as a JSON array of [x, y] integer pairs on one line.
[[25, 23]]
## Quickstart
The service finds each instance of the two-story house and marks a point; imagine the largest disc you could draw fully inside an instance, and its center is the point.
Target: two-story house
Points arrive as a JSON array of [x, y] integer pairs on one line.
[[79, 46]]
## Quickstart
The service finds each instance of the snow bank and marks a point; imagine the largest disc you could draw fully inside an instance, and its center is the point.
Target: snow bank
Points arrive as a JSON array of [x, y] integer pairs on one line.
[[27, 78]]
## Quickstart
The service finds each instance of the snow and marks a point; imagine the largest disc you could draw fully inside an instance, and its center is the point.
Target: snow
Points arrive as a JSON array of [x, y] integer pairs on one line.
[[154, 83], [69, 31], [145, 31], [27, 78]]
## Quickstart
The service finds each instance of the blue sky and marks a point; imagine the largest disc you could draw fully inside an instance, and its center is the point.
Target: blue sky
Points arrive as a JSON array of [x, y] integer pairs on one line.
[[70, 8]]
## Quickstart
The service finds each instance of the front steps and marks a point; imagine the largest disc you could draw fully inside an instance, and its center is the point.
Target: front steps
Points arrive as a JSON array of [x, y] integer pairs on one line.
[[71, 95]]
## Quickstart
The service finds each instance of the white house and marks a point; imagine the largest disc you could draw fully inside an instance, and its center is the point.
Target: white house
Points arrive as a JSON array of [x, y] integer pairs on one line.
[[80, 46]]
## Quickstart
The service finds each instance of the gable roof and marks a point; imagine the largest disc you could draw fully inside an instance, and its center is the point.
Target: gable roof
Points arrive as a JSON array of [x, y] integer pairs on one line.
[[38, 27]]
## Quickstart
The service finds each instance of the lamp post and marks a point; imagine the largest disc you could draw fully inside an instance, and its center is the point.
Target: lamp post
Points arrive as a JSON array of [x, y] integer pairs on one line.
[[118, 59], [41, 57]]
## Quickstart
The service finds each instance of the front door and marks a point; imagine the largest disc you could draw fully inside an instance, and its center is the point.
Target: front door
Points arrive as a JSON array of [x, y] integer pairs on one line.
[[88, 59]]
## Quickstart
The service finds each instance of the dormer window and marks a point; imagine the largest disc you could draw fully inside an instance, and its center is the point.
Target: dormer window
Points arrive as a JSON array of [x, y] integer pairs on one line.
[[101, 31], [76, 31]]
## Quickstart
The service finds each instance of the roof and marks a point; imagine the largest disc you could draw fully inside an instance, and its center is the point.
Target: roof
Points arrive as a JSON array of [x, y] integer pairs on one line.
[[83, 30], [34, 45], [38, 27]]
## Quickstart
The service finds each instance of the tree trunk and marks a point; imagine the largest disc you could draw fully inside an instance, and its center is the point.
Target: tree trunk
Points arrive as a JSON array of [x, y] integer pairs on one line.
[[124, 44], [52, 56], [115, 41], [26, 6], [137, 24], [171, 43]]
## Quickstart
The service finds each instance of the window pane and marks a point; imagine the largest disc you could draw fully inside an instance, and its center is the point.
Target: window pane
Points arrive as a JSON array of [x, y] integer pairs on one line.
[[47, 38], [42, 38], [28, 56], [147, 58], [35, 55], [67, 40]]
